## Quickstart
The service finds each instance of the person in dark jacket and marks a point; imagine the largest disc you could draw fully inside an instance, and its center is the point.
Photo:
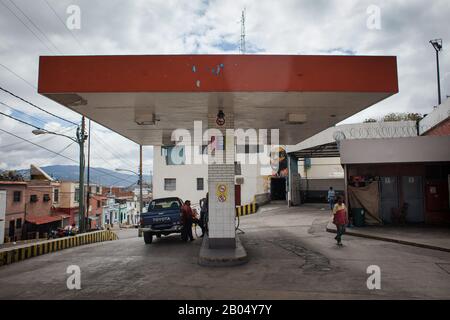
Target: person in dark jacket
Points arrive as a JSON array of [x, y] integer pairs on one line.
[[204, 215], [186, 219]]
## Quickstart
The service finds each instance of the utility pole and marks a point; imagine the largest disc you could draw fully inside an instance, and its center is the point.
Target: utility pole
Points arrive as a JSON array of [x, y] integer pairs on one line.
[[437, 45], [88, 192], [141, 201], [81, 137]]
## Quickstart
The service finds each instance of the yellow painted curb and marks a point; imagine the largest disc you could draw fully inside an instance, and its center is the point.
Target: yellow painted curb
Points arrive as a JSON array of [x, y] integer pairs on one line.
[[246, 209], [11, 255]]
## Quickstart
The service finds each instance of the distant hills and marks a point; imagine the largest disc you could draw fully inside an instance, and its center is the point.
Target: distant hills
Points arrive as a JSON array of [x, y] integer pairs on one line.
[[101, 176]]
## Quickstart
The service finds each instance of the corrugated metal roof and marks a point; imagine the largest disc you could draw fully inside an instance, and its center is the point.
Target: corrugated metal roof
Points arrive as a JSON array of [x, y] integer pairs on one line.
[[44, 219]]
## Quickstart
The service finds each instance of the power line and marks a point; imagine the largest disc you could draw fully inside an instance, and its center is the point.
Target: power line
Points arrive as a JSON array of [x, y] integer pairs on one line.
[[39, 29], [59, 152], [101, 157], [21, 112], [35, 144], [35, 106], [31, 30], [55, 129], [21, 121], [49, 137], [104, 145], [18, 76], [36, 127], [65, 27], [54, 152]]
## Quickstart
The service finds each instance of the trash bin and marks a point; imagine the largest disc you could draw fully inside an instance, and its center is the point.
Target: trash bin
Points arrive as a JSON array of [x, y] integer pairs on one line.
[[358, 217]]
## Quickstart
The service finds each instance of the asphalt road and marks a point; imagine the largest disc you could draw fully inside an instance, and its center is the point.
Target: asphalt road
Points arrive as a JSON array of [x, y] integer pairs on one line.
[[291, 257]]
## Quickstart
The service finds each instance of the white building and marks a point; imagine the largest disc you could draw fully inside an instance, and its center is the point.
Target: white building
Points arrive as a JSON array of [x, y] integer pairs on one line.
[[110, 210], [190, 181], [132, 211], [146, 196]]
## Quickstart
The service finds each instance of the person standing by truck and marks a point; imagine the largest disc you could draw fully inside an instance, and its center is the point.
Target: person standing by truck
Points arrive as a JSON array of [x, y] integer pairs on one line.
[[186, 219], [204, 215]]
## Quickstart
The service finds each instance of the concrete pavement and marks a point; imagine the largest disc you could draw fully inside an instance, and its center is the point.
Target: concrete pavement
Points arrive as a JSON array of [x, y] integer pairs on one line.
[[291, 256], [425, 236]]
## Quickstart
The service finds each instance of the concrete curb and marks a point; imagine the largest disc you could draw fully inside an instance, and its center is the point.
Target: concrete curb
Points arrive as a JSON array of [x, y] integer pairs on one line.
[[332, 229], [16, 254], [222, 257]]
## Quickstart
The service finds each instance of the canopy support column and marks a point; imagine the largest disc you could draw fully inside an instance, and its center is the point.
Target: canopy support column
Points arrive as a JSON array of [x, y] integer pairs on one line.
[[221, 157]]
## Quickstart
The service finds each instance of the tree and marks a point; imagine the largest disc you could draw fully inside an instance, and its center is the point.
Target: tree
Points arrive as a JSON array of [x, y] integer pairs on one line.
[[397, 116], [402, 117]]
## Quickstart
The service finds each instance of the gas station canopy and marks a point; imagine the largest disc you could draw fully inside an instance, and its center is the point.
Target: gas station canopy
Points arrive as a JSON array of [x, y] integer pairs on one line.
[[145, 98]]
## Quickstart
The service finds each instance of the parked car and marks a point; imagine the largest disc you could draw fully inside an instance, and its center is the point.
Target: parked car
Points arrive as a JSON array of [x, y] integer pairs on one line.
[[62, 232], [163, 217]]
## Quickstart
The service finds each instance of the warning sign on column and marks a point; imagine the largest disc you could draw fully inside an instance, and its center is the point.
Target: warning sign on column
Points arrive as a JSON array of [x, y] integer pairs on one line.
[[222, 193]]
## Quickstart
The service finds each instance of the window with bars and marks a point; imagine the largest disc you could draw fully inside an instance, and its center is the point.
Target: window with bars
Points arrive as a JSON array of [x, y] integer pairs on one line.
[[17, 196], [56, 195], [200, 184]]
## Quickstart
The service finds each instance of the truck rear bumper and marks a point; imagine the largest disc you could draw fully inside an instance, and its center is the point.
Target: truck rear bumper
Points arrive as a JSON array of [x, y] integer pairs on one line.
[[175, 229]]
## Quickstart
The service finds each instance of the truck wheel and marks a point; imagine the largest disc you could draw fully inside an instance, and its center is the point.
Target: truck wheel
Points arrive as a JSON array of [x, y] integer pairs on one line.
[[148, 237], [158, 235]]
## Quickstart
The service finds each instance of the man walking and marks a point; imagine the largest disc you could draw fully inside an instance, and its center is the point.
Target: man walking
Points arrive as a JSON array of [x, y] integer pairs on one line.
[[330, 197], [186, 219], [204, 215], [340, 219]]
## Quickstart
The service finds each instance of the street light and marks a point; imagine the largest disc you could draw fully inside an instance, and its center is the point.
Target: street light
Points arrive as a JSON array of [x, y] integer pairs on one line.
[[79, 139], [437, 45]]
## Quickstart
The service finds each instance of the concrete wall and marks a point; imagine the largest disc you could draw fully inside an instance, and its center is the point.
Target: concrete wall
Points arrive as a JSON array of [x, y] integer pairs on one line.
[[185, 175], [186, 180], [14, 210], [253, 183], [322, 168], [397, 150], [442, 129], [437, 122], [378, 130], [316, 190], [40, 207], [67, 194]]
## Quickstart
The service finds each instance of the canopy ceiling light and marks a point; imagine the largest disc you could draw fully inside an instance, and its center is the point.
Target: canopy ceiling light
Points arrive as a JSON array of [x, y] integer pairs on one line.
[[144, 116], [296, 118]]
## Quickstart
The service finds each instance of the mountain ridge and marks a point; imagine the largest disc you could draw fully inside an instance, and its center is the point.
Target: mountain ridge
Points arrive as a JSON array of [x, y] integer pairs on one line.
[[101, 176]]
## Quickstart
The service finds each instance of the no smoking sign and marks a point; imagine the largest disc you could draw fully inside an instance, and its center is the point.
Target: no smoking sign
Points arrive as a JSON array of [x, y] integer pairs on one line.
[[221, 192]]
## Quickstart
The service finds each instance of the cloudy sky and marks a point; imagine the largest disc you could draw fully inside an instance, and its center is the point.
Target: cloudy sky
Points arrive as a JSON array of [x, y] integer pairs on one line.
[[30, 28]]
